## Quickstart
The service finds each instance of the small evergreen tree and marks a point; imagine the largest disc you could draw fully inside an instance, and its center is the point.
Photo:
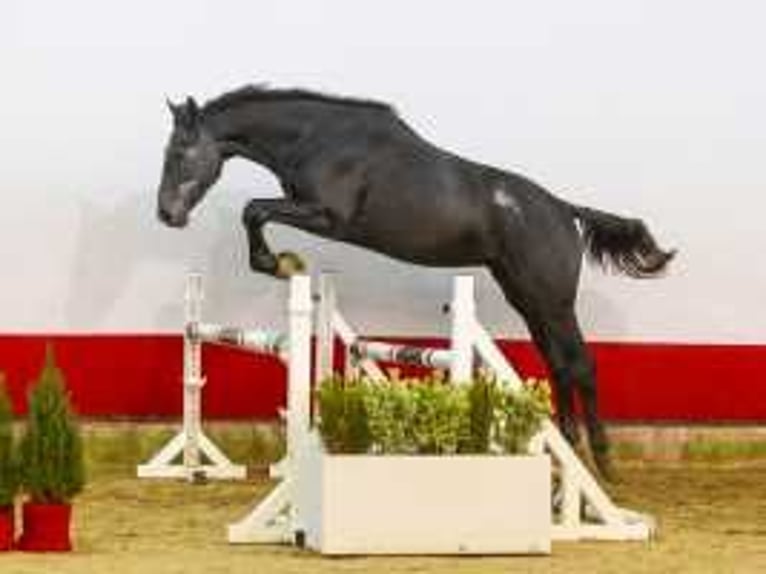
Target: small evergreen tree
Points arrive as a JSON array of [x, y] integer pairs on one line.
[[51, 454], [9, 478]]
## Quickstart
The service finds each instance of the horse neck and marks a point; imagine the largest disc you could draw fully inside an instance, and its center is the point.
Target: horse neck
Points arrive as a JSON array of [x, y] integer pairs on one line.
[[266, 133]]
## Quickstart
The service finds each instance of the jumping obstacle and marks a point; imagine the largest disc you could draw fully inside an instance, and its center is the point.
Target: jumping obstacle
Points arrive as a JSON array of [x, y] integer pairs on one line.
[[282, 516], [579, 490], [191, 454]]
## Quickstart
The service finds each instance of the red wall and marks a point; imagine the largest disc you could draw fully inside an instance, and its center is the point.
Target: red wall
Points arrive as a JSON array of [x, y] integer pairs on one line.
[[140, 376]]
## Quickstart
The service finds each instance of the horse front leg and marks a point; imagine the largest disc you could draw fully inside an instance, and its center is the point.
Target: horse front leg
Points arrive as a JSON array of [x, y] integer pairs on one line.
[[307, 217]]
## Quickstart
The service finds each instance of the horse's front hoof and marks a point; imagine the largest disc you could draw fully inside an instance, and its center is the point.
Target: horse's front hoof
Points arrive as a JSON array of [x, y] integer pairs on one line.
[[289, 264], [264, 263]]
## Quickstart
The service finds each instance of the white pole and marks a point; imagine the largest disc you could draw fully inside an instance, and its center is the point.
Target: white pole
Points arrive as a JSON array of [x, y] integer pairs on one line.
[[298, 388], [325, 353], [193, 381], [463, 319]]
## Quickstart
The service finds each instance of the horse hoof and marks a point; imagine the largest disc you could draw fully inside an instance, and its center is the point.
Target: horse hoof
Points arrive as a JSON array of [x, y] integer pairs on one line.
[[606, 468], [289, 264]]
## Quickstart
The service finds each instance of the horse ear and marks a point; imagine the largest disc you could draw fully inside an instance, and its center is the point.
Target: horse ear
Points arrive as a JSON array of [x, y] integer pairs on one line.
[[185, 115], [172, 107], [192, 109]]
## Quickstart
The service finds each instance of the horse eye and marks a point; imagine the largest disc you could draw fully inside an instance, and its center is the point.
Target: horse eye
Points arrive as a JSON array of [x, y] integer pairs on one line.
[[191, 153]]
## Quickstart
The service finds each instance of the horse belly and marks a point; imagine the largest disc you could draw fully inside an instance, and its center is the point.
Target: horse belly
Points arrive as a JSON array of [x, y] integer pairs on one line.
[[410, 232]]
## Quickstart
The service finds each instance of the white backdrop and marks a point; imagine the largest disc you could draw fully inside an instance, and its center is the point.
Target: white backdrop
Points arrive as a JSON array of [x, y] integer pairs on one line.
[[649, 108]]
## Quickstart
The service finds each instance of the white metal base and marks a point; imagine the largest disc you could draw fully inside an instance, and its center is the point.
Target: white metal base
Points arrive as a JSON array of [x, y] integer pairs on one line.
[[633, 527], [268, 523], [162, 465]]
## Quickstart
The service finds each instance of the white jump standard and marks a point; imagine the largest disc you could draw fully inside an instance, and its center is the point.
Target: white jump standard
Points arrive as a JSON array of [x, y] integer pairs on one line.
[[191, 454], [278, 518]]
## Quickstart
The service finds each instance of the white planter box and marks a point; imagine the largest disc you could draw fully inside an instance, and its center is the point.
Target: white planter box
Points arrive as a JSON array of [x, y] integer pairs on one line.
[[358, 504]]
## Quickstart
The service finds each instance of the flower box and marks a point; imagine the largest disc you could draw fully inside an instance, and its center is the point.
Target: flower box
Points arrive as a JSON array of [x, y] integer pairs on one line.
[[462, 504]]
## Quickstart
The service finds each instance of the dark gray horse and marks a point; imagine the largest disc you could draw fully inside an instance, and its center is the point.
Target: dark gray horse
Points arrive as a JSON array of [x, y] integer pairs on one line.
[[354, 171]]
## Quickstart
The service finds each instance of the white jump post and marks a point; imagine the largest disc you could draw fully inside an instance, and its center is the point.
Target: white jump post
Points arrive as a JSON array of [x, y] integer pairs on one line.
[[278, 517], [191, 454]]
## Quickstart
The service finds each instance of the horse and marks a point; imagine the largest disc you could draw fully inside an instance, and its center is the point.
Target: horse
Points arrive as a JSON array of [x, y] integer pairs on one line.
[[352, 170]]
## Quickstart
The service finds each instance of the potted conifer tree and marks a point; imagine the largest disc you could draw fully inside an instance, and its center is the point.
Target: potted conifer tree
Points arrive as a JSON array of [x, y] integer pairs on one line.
[[51, 463], [8, 470]]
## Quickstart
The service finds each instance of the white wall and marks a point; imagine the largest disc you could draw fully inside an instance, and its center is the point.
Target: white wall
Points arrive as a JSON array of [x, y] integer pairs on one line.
[[651, 108]]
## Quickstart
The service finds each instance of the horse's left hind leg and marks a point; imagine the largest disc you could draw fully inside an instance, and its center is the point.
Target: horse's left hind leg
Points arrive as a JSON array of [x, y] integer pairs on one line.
[[565, 351], [556, 333], [582, 372]]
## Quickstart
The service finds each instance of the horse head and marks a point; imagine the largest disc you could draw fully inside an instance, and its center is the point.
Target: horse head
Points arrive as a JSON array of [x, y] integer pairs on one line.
[[193, 162]]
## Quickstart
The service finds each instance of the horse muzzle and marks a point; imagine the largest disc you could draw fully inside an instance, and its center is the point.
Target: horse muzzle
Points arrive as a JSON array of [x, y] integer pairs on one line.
[[174, 205], [173, 216]]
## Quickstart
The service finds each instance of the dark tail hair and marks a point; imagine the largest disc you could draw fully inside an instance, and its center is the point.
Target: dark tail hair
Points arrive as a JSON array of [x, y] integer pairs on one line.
[[622, 244]]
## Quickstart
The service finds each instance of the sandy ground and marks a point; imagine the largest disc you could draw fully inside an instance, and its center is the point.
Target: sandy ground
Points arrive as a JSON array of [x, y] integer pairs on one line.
[[712, 520]]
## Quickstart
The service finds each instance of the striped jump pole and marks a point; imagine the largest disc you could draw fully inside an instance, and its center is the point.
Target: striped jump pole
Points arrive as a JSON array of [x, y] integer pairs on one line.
[[254, 340], [402, 354]]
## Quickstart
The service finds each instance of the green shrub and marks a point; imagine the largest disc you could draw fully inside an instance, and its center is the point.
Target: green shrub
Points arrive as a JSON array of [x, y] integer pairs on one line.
[[482, 402], [50, 452], [440, 416], [428, 416], [522, 412], [389, 408], [343, 425], [9, 478]]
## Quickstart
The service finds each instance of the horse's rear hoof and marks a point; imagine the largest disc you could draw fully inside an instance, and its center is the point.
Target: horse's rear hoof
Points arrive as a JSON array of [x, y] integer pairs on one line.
[[289, 264], [605, 467]]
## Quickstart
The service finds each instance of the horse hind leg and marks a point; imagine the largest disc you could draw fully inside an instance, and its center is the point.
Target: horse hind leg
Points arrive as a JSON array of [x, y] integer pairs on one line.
[[576, 370], [525, 301], [557, 336], [563, 384], [583, 373]]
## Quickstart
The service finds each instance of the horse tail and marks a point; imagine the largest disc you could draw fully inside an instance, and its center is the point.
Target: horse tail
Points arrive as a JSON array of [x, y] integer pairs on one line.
[[620, 243]]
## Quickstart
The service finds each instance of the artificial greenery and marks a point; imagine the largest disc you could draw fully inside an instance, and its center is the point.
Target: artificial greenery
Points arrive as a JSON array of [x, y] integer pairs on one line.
[[429, 416], [50, 451], [9, 478]]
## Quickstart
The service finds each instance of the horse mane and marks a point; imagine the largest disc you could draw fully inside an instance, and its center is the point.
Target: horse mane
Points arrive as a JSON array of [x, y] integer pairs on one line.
[[263, 93]]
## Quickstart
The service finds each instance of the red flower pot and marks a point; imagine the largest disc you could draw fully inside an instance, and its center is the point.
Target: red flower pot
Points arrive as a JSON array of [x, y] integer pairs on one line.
[[45, 528], [6, 527]]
